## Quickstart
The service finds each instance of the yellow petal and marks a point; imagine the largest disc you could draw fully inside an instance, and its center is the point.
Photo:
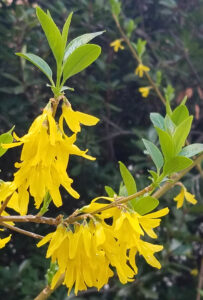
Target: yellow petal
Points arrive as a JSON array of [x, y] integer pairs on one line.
[[86, 119], [45, 239], [4, 241], [190, 197]]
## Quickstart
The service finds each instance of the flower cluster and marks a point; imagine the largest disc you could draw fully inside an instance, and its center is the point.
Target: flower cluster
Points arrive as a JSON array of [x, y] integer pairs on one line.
[[45, 156], [88, 253]]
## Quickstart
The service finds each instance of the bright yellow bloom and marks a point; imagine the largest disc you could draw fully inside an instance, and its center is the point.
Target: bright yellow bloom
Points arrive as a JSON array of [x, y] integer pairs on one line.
[[75, 118], [4, 241], [141, 69], [184, 194], [128, 228], [44, 161], [86, 253], [117, 45], [78, 256], [145, 91]]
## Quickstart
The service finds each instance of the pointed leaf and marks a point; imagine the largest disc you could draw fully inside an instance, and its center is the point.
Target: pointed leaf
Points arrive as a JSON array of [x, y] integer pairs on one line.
[[191, 150], [80, 59], [145, 204], [6, 138], [128, 179], [176, 164], [52, 33], [79, 41], [38, 62], [181, 133], [157, 120], [155, 153], [66, 29], [110, 192], [169, 125], [166, 143], [180, 114]]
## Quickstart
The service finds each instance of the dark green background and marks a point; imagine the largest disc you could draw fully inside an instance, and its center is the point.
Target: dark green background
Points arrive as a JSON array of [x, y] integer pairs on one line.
[[109, 90]]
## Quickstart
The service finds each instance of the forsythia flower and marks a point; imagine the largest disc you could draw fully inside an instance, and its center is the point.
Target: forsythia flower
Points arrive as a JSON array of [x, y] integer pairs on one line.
[[145, 91], [44, 160], [87, 254], [184, 194], [117, 45], [141, 69], [75, 118]]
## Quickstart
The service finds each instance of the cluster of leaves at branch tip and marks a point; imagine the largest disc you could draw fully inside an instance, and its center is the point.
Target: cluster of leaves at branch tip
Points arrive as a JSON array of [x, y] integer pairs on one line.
[[70, 58]]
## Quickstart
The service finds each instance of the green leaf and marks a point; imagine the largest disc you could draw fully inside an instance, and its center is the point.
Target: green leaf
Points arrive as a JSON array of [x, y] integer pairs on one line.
[[145, 204], [52, 33], [166, 143], [6, 138], [191, 150], [181, 133], [154, 175], [79, 41], [176, 164], [155, 154], [46, 201], [110, 192], [169, 93], [80, 59], [38, 62], [180, 114], [116, 7], [128, 179], [141, 47], [169, 125], [130, 27], [158, 77], [66, 29], [157, 120]]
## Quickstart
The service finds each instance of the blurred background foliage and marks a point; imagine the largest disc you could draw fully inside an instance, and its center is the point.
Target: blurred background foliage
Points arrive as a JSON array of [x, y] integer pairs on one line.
[[108, 89]]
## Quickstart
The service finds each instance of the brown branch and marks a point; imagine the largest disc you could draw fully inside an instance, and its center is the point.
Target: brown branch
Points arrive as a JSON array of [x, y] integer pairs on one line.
[[134, 53], [47, 291], [31, 219], [22, 231], [118, 201], [167, 186], [200, 281]]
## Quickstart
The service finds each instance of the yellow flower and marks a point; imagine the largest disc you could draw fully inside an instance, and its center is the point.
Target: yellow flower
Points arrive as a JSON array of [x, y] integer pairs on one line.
[[44, 160], [184, 194], [150, 221], [145, 91], [4, 241], [141, 69], [117, 45], [75, 118], [194, 272], [78, 256], [86, 253]]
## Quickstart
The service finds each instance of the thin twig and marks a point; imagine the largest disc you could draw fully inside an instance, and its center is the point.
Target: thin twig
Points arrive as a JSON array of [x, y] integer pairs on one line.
[[22, 231], [47, 291], [31, 219], [118, 201], [126, 39]]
